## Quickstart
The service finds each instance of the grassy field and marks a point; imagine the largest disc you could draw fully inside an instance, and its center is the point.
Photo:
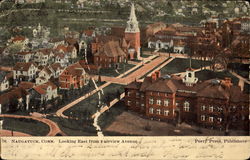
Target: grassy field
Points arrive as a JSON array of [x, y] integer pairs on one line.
[[75, 127], [180, 65], [28, 126], [90, 105], [207, 74], [86, 89], [109, 116], [111, 71]]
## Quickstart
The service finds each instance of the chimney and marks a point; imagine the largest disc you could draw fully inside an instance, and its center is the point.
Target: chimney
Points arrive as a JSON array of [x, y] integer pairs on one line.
[[153, 77], [227, 82], [158, 74]]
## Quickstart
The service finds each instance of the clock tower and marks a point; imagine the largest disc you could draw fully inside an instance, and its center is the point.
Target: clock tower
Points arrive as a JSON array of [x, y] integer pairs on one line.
[[132, 35]]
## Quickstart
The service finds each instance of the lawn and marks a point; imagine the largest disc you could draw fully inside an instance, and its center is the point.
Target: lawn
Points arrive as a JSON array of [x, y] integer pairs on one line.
[[73, 127], [207, 74], [90, 105], [109, 116], [73, 96], [24, 125], [180, 65], [111, 71]]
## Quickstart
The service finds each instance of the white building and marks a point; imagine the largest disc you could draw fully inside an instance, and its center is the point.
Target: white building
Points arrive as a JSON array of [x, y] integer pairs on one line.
[[24, 71], [4, 82]]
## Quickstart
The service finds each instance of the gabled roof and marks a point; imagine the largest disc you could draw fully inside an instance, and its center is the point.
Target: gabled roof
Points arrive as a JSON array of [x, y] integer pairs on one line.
[[16, 92], [26, 85], [88, 32], [111, 49], [75, 70], [22, 66], [18, 38], [55, 66], [162, 85], [42, 89]]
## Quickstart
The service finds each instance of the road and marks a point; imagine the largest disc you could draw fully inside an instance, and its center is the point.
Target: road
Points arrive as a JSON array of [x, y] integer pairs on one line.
[[54, 129]]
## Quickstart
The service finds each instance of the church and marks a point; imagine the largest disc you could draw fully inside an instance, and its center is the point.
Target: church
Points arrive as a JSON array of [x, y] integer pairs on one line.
[[120, 46]]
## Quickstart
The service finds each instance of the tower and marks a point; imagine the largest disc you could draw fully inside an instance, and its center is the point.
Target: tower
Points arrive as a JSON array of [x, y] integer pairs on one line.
[[190, 78], [132, 34]]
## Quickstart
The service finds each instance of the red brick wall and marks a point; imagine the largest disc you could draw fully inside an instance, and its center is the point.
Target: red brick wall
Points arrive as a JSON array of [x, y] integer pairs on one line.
[[134, 39]]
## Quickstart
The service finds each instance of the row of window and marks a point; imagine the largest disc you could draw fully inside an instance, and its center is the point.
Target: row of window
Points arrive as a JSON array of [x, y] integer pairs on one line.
[[210, 118], [159, 102], [164, 112], [211, 108], [142, 95]]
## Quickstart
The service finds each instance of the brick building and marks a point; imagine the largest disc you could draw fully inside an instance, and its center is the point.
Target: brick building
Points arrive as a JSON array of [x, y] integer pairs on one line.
[[74, 76], [212, 103]]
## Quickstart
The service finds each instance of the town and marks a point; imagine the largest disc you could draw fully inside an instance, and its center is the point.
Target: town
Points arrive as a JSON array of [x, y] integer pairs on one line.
[[124, 68]]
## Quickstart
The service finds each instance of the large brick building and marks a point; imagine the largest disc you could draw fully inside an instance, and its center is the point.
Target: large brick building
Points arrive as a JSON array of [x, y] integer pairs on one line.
[[74, 76], [212, 103]]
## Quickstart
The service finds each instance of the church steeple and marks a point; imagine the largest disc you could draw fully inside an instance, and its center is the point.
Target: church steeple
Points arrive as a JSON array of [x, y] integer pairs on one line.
[[132, 23]]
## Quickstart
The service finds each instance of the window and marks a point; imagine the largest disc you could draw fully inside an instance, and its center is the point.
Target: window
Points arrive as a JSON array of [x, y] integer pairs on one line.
[[189, 75], [137, 103], [166, 112], [203, 108], [211, 108], [166, 102], [219, 109], [203, 117], [142, 104], [129, 94], [211, 119], [151, 110], [219, 119], [242, 107], [142, 95], [158, 93], [151, 101], [158, 102], [186, 106], [158, 111], [129, 103], [137, 94]]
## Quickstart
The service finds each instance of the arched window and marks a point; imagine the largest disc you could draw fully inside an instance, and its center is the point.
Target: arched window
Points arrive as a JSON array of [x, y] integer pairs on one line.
[[186, 106], [189, 75]]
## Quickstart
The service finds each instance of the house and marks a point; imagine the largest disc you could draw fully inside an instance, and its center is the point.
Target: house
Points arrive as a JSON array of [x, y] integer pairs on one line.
[[74, 76], [48, 72], [24, 71], [44, 75], [44, 92], [71, 51], [56, 69], [88, 34], [164, 43], [56, 41], [26, 85], [109, 55], [61, 58], [151, 29], [212, 103], [19, 40], [24, 56], [4, 82], [15, 99], [43, 56]]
